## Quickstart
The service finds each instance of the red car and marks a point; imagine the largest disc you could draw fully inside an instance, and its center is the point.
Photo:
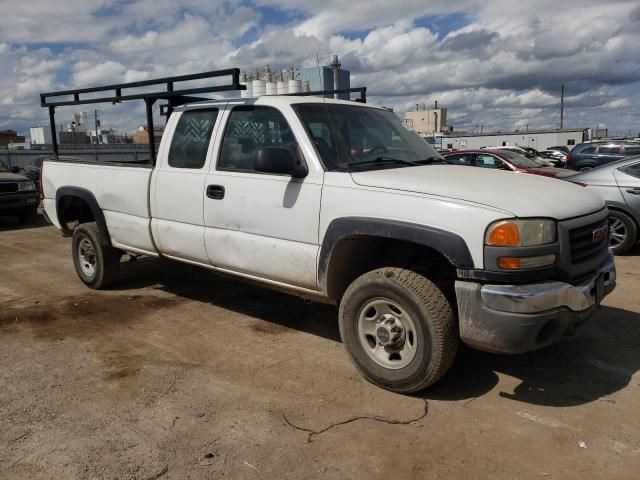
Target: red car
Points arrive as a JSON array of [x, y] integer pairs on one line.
[[502, 160]]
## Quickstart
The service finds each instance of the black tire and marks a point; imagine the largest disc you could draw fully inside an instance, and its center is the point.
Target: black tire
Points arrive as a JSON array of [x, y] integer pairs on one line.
[[586, 168], [28, 215], [106, 259], [628, 229], [436, 329]]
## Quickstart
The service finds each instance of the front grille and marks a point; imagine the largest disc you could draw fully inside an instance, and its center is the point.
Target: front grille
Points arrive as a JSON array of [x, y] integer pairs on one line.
[[8, 187], [581, 241]]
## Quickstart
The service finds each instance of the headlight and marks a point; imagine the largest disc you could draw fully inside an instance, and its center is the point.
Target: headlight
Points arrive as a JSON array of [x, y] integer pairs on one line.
[[26, 186], [521, 233]]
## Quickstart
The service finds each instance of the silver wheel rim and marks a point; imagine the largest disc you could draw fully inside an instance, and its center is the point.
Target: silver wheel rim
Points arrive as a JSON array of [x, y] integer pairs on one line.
[[87, 257], [617, 232], [387, 333]]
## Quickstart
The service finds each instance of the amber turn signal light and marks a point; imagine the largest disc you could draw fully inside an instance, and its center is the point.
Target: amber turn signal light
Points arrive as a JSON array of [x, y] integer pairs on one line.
[[506, 234]]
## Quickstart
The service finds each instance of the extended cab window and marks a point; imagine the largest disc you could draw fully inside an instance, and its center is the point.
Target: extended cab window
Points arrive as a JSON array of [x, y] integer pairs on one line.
[[249, 129], [191, 137]]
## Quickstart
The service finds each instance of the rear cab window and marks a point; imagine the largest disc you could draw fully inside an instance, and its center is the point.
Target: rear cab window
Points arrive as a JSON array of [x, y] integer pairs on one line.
[[191, 137]]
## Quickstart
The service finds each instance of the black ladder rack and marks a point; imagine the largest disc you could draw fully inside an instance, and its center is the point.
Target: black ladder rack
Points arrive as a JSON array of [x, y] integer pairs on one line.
[[174, 96]]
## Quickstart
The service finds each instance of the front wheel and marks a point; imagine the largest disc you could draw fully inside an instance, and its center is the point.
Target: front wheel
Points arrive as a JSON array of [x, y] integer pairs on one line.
[[622, 232], [399, 329], [97, 264]]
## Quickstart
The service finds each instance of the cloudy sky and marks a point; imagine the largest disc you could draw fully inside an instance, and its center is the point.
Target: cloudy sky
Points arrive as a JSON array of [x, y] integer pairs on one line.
[[496, 63]]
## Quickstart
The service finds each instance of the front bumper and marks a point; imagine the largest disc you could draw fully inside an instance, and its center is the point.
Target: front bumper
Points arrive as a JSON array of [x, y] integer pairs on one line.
[[16, 201], [521, 318]]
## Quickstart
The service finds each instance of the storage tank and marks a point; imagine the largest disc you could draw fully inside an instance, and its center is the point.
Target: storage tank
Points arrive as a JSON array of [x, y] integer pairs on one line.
[[305, 86], [247, 83], [259, 88], [283, 87], [272, 88], [295, 86]]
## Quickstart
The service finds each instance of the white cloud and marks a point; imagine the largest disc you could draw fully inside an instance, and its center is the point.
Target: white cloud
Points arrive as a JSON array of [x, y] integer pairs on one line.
[[500, 65]]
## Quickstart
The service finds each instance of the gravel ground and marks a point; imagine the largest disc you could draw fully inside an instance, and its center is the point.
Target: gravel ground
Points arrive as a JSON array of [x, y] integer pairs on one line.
[[178, 373]]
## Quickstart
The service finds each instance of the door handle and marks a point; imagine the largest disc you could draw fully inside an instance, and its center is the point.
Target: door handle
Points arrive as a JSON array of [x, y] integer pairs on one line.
[[215, 191], [633, 191]]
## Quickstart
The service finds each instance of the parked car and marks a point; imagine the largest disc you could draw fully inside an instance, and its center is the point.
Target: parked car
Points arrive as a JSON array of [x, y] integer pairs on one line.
[[558, 157], [530, 153], [560, 148], [502, 160], [618, 183], [33, 168], [586, 156], [335, 200], [18, 195]]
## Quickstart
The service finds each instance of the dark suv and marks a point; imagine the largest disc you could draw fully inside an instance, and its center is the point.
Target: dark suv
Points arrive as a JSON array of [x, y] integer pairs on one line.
[[586, 156], [18, 195]]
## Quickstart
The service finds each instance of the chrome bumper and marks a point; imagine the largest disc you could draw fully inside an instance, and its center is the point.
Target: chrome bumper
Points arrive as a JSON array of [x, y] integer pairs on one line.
[[521, 318], [540, 297]]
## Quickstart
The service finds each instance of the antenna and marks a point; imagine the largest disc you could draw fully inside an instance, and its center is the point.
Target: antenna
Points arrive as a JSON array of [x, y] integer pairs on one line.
[[561, 106]]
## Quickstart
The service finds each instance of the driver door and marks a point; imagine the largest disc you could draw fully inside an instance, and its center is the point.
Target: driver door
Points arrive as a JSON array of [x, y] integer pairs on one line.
[[261, 224]]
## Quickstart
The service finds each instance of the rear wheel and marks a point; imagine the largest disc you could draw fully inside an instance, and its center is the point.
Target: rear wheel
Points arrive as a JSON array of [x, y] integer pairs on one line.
[[623, 232], [398, 329], [97, 264]]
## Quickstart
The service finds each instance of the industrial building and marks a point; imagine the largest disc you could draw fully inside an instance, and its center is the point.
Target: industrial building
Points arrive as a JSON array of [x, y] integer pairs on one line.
[[427, 121], [10, 137], [538, 139]]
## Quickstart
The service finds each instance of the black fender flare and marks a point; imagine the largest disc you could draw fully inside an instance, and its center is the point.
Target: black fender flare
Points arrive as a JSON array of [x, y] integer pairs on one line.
[[450, 245], [88, 197]]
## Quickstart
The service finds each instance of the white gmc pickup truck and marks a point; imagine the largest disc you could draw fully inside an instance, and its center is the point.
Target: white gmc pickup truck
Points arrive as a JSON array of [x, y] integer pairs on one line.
[[337, 201]]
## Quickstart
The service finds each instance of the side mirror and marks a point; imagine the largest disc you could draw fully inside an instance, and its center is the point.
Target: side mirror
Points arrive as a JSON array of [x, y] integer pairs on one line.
[[280, 160], [15, 169]]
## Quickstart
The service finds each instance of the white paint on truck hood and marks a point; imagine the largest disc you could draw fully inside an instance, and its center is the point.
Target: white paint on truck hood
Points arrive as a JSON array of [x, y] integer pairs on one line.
[[521, 195]]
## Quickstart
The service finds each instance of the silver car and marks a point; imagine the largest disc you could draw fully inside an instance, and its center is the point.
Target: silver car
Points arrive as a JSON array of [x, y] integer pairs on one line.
[[618, 183]]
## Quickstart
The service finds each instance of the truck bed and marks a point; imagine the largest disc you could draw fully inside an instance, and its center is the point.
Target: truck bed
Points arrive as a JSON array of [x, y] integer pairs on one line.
[[120, 189]]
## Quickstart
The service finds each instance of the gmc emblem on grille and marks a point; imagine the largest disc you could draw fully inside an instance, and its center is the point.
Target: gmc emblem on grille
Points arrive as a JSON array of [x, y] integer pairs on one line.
[[600, 234]]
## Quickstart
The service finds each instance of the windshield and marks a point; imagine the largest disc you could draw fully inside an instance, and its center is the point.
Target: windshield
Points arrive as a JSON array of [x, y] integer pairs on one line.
[[3, 168], [519, 160], [353, 137]]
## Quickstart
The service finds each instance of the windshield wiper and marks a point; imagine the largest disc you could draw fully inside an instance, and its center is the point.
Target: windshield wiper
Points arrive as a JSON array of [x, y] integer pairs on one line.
[[386, 160], [430, 160]]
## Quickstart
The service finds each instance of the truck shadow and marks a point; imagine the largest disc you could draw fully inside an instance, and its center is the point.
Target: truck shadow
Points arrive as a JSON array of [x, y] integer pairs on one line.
[[8, 222], [591, 367], [201, 285]]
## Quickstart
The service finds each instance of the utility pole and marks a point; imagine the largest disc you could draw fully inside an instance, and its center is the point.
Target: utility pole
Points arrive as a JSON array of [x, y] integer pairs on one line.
[[95, 126], [561, 107]]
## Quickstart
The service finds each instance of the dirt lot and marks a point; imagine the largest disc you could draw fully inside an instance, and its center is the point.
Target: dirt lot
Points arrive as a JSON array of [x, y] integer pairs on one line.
[[178, 373]]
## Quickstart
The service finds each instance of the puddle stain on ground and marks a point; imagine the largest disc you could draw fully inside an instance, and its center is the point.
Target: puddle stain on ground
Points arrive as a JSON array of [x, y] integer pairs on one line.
[[80, 316], [94, 317]]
